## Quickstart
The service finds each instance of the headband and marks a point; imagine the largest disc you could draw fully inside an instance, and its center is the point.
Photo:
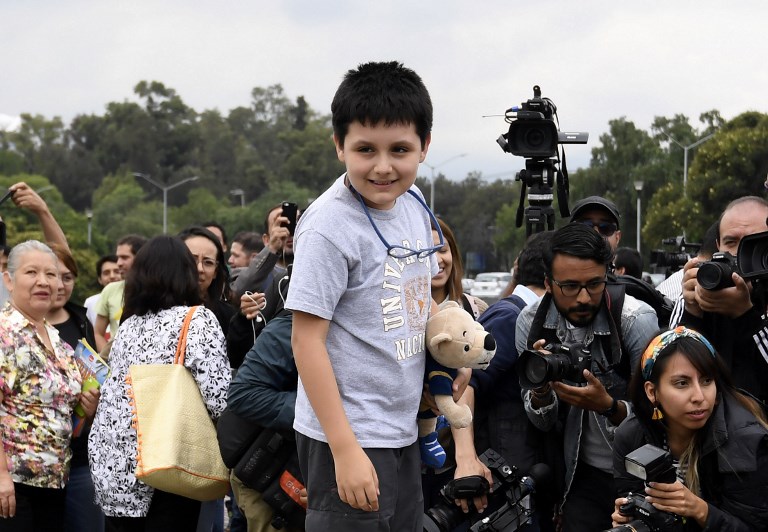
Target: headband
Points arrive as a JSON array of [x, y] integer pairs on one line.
[[662, 341]]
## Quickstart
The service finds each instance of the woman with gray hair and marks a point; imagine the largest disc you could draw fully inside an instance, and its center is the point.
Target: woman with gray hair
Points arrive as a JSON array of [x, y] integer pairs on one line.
[[39, 387]]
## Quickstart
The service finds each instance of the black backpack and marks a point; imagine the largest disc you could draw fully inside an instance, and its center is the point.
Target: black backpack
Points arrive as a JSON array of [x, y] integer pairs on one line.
[[644, 292]]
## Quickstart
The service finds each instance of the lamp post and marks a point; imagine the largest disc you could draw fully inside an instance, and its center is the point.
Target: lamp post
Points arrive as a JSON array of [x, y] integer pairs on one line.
[[432, 180], [639, 189], [685, 154], [239, 192], [89, 215], [165, 189]]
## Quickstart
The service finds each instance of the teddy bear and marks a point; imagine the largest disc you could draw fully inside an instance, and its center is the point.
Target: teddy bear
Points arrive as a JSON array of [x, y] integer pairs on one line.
[[453, 340]]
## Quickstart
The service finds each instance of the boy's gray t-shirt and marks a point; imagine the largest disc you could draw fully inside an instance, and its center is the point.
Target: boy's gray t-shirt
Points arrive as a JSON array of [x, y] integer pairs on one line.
[[377, 307]]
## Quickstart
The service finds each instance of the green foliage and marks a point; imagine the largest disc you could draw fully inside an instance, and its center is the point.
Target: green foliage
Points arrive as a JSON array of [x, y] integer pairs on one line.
[[278, 148]]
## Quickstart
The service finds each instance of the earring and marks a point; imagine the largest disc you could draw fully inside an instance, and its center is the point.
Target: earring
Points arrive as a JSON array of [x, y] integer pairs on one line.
[[657, 414]]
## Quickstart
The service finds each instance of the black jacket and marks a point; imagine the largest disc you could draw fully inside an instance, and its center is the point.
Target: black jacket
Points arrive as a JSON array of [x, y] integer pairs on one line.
[[733, 467], [78, 314]]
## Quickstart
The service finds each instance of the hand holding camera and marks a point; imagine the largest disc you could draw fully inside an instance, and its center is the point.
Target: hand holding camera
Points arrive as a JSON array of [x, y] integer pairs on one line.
[[715, 286]]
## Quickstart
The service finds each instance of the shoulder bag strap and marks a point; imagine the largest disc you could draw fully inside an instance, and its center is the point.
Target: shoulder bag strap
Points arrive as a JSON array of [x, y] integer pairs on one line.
[[181, 348]]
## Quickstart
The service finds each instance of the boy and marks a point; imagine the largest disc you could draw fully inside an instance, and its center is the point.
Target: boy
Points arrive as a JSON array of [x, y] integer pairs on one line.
[[360, 292]]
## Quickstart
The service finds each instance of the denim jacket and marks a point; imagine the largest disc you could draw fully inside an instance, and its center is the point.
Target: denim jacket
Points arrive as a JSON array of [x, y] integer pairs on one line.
[[638, 326]]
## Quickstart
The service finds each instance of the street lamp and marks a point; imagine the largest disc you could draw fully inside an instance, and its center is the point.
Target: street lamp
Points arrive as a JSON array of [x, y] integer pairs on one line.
[[89, 215], [432, 181], [165, 189], [239, 192], [639, 189], [685, 154]]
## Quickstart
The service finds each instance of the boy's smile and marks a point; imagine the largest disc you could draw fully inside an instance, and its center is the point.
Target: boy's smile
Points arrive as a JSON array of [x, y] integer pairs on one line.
[[381, 160]]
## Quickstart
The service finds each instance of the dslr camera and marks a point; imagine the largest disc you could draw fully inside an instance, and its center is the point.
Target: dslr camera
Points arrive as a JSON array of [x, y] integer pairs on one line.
[[509, 502], [566, 363], [652, 465], [751, 262]]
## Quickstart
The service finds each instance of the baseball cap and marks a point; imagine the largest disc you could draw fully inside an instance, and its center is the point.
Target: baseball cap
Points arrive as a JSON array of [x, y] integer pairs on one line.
[[595, 202]]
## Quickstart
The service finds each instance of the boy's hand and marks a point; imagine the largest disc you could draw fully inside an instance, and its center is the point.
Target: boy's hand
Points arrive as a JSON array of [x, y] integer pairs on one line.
[[356, 479], [461, 382]]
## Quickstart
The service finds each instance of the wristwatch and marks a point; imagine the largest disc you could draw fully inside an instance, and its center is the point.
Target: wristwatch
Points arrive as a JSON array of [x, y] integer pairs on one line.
[[612, 410]]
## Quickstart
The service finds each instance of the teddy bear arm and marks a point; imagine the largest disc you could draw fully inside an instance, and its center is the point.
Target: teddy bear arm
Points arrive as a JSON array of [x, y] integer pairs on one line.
[[459, 416]]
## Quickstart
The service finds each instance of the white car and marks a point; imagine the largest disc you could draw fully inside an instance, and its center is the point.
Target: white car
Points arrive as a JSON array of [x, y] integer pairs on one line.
[[489, 285], [466, 284]]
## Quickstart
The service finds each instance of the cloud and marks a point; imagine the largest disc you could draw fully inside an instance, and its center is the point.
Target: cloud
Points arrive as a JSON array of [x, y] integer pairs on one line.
[[9, 123], [597, 60]]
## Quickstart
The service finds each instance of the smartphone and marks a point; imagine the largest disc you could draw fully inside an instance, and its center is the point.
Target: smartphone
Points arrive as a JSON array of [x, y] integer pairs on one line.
[[8, 194], [290, 210]]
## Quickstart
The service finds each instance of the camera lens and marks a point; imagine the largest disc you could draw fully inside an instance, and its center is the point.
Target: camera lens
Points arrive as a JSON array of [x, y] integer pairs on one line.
[[714, 275], [442, 518], [536, 370], [534, 138]]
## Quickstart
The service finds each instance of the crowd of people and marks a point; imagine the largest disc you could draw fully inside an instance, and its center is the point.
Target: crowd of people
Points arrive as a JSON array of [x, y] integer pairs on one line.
[[312, 347]]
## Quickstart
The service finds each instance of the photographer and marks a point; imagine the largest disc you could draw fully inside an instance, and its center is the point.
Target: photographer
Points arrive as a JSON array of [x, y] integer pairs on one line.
[[574, 311], [732, 317], [683, 402]]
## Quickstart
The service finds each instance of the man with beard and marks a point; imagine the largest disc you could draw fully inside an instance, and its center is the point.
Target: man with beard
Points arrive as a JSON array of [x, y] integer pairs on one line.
[[575, 311]]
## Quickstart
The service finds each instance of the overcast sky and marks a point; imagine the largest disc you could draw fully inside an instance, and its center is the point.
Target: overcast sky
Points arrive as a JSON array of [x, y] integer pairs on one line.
[[597, 60]]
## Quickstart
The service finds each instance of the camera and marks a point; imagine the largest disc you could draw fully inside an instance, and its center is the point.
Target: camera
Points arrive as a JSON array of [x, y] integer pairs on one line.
[[566, 363], [534, 135], [509, 498], [753, 256], [715, 274], [676, 256], [652, 465], [751, 262]]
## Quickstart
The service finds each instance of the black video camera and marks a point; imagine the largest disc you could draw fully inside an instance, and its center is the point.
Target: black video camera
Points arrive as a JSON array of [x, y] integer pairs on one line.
[[534, 135], [678, 253], [566, 363], [751, 262], [652, 465], [508, 498]]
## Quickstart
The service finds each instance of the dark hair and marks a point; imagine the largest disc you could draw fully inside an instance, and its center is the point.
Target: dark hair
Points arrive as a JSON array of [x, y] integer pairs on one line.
[[65, 257], [163, 275], [630, 260], [709, 242], [135, 241], [579, 241], [102, 261], [250, 241], [219, 288], [457, 268], [218, 226], [383, 92], [530, 262]]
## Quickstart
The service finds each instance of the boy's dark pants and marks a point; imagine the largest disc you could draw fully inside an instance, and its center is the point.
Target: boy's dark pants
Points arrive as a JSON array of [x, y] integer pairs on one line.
[[401, 505]]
